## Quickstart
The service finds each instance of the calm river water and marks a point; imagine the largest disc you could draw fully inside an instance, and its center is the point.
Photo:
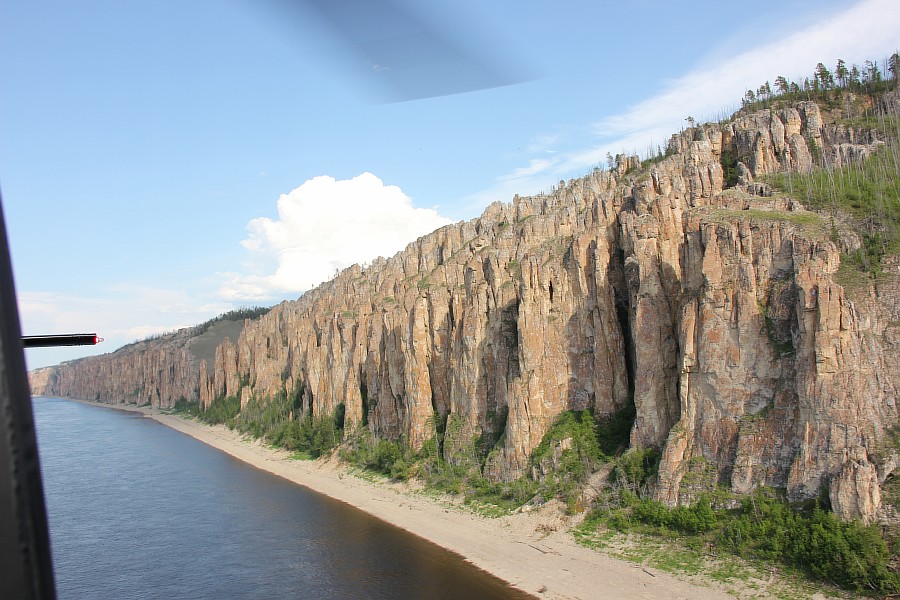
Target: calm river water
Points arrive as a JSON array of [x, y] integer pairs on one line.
[[138, 510]]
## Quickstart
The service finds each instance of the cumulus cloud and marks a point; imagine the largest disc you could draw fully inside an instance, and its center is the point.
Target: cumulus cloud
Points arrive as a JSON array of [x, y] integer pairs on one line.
[[323, 226], [866, 30]]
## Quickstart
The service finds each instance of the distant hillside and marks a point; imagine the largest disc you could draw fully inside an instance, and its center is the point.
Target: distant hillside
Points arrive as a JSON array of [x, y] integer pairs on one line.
[[157, 370]]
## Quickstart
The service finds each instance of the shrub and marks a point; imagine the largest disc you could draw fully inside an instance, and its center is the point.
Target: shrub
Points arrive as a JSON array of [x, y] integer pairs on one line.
[[634, 469], [614, 431], [187, 407], [729, 168], [278, 422], [221, 410], [768, 528], [568, 470], [816, 541]]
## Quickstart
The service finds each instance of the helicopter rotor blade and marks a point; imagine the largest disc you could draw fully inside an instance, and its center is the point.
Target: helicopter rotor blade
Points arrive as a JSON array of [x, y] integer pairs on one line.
[[403, 55]]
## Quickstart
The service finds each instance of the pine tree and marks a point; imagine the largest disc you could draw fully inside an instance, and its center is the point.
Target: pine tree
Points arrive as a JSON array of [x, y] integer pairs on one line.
[[761, 92], [781, 84], [824, 77], [872, 74], [841, 72], [894, 65]]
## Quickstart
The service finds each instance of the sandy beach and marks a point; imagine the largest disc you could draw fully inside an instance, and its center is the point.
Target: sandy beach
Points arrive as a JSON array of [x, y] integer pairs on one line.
[[532, 551]]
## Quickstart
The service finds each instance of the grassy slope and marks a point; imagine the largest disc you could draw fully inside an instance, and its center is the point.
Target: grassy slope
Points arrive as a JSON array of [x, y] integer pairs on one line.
[[203, 347]]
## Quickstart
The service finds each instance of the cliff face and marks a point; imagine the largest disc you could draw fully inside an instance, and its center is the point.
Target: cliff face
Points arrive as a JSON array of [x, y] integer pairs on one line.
[[155, 372], [716, 312]]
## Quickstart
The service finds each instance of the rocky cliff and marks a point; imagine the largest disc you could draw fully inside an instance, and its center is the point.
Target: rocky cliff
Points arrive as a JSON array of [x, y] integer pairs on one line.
[[157, 371], [716, 312]]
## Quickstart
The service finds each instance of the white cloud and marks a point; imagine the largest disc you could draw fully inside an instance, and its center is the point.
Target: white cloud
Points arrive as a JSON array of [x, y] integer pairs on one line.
[[867, 30], [544, 143], [323, 226], [535, 166]]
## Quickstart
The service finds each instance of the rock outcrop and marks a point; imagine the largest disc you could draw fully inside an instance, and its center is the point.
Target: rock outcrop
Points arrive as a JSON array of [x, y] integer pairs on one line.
[[715, 312], [156, 372]]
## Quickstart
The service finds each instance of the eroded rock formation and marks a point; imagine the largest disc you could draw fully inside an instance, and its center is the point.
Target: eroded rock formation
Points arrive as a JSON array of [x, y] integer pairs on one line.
[[156, 372], [716, 312]]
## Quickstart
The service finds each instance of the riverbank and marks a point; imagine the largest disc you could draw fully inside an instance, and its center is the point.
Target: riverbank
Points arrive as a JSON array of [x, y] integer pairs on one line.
[[533, 551]]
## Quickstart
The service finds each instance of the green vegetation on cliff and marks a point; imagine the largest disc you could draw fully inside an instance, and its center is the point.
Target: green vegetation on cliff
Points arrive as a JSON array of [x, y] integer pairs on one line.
[[866, 191], [281, 423], [763, 527], [221, 410], [277, 420], [238, 314], [826, 87], [459, 470]]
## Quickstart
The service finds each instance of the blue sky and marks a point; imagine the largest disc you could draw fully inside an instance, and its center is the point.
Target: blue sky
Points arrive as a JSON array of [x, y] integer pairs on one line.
[[162, 162]]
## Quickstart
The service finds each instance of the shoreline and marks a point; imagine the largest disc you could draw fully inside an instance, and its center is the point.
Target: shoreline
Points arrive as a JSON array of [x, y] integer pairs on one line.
[[531, 551]]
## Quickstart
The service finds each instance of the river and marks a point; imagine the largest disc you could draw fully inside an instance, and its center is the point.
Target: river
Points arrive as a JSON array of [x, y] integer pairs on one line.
[[138, 510]]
